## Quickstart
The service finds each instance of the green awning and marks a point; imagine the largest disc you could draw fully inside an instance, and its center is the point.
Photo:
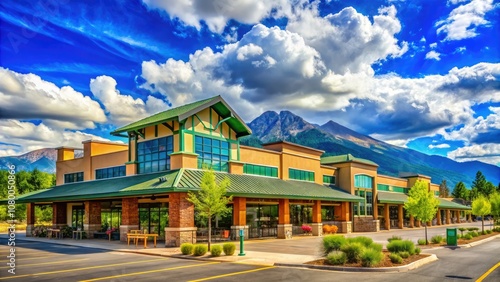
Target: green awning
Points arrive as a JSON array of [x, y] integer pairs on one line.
[[400, 198], [187, 180]]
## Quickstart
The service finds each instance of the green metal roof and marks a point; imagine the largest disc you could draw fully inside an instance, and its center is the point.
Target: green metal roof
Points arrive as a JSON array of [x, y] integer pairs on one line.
[[345, 158], [267, 187], [143, 184], [401, 198], [183, 112], [186, 180]]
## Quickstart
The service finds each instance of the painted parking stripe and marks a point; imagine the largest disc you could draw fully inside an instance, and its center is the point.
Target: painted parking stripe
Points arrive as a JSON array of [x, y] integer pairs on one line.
[[43, 263], [78, 269], [488, 272], [232, 274], [147, 272], [30, 258]]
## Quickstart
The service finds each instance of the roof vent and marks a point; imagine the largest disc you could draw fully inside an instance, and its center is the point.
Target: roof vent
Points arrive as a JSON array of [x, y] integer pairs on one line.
[[162, 179]]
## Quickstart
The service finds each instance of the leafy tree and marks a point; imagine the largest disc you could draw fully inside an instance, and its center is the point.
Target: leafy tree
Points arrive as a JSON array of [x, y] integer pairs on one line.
[[421, 203], [473, 193], [210, 201], [495, 206], [444, 191], [460, 191], [481, 207]]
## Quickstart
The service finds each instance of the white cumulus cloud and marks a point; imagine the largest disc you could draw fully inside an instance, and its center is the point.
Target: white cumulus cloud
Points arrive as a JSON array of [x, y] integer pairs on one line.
[[439, 146], [433, 55]]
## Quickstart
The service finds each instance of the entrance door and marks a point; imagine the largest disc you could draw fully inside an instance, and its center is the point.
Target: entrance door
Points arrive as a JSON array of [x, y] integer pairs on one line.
[[153, 218]]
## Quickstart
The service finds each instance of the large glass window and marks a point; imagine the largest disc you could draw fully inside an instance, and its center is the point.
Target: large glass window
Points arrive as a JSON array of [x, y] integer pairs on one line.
[[153, 155], [300, 175], [77, 215], [212, 153], [365, 207], [153, 218], [262, 220], [73, 177], [328, 179], [111, 215], [363, 181], [110, 172], [328, 213], [260, 170]]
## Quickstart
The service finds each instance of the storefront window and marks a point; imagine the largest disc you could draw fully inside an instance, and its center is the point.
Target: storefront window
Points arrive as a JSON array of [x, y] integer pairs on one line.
[[364, 208], [78, 213], [212, 153], [153, 155]]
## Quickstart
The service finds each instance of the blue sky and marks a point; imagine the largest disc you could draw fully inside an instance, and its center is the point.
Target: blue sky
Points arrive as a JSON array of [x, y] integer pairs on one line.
[[420, 74]]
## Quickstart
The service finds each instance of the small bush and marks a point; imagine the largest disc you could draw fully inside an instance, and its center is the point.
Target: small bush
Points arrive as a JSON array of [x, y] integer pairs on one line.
[[462, 229], [496, 229], [398, 246], [229, 249], [421, 242], [437, 239], [200, 250], [216, 250], [468, 236], [395, 258], [473, 233], [376, 246], [371, 257], [365, 241], [336, 258], [489, 231], [404, 254], [394, 237], [187, 248], [418, 251], [333, 243], [353, 251], [473, 228]]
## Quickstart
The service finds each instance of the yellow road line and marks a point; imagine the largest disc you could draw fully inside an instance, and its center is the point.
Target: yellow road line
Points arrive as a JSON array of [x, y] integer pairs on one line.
[[42, 263], [232, 274], [148, 271], [488, 272], [77, 269]]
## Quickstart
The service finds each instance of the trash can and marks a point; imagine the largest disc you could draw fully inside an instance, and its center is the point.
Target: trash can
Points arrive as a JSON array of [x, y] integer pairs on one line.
[[451, 236]]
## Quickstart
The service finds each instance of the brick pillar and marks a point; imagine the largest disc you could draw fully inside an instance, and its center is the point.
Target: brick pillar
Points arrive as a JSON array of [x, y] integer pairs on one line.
[[412, 221], [239, 218], [317, 226], [438, 217], [30, 219], [181, 227], [130, 217], [284, 226], [458, 216], [400, 217], [387, 217], [59, 215], [92, 218], [448, 217]]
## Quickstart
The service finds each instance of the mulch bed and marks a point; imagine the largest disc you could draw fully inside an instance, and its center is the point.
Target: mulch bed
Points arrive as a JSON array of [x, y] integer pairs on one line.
[[386, 262], [460, 241]]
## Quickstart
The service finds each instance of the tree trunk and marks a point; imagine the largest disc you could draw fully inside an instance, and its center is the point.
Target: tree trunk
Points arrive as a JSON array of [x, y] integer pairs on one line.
[[209, 231], [426, 241]]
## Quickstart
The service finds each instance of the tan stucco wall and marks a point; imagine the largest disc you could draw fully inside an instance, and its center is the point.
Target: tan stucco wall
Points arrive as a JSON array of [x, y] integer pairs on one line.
[[393, 181]]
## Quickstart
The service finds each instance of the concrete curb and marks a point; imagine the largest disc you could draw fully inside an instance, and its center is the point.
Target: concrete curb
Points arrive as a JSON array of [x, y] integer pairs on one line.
[[475, 243], [403, 268]]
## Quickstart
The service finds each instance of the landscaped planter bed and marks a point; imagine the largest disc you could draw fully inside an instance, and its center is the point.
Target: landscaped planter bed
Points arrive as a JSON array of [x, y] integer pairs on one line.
[[386, 262]]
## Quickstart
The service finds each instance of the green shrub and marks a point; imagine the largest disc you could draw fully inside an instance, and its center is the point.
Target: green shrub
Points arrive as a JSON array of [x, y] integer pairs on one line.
[[187, 248], [468, 236], [200, 250], [404, 254], [394, 237], [333, 243], [489, 231], [66, 231], [462, 229], [395, 258], [371, 257], [473, 228], [376, 246], [421, 241], [473, 233], [398, 246], [418, 251], [496, 229], [365, 241], [459, 236], [336, 258], [353, 251], [437, 239], [216, 250], [229, 249]]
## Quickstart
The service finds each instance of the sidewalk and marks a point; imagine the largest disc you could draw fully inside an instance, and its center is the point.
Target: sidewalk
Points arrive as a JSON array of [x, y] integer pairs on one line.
[[298, 250]]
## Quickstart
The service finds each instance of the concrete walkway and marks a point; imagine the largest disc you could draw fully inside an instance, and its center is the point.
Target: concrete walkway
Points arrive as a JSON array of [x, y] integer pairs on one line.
[[297, 250]]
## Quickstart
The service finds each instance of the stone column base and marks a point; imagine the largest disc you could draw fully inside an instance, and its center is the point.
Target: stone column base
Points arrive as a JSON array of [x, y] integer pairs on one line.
[[346, 227], [235, 231], [29, 230], [284, 231], [175, 236], [90, 229], [124, 229], [317, 229]]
